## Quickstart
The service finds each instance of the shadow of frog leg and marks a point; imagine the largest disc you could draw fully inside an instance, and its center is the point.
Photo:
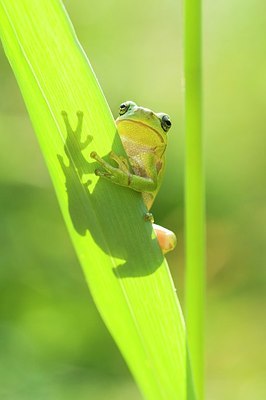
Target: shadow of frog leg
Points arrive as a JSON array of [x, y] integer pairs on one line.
[[69, 129], [76, 133], [74, 147], [66, 121]]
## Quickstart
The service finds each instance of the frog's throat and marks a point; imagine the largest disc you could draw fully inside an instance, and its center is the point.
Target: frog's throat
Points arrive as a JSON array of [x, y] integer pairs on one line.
[[146, 126]]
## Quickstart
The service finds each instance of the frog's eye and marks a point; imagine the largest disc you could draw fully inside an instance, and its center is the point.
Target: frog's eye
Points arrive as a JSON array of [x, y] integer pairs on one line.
[[123, 108], [166, 123]]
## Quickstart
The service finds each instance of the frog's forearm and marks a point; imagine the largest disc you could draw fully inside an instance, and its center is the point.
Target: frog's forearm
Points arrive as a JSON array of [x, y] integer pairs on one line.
[[135, 182], [123, 177]]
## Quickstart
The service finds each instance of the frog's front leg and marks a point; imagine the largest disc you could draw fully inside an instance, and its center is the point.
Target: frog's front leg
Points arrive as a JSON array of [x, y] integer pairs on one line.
[[121, 162], [122, 175]]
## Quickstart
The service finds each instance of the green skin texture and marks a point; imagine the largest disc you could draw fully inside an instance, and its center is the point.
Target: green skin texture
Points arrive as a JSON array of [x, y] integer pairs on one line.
[[144, 140]]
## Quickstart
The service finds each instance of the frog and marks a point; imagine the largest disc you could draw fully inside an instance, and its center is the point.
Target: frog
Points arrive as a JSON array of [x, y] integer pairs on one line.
[[143, 134]]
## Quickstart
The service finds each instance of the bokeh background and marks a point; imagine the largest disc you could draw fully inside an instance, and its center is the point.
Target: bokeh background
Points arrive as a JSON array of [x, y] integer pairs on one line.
[[53, 344]]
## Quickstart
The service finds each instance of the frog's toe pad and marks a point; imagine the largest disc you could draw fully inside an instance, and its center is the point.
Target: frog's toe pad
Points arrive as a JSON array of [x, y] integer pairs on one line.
[[149, 217], [94, 155]]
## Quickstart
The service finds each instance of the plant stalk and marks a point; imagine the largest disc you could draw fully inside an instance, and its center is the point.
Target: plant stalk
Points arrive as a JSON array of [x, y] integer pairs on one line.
[[194, 193]]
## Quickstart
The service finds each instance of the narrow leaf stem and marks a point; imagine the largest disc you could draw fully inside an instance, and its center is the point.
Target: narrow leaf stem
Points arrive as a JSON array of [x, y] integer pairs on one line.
[[194, 193]]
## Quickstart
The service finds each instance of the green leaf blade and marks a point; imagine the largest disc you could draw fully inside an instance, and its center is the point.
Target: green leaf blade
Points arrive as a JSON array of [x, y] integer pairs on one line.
[[123, 265]]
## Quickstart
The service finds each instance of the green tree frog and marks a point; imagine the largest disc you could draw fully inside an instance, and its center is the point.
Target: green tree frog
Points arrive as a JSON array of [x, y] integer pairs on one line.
[[144, 137]]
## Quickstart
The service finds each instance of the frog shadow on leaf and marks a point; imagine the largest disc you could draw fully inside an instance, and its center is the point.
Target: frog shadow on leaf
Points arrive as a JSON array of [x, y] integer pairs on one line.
[[82, 203]]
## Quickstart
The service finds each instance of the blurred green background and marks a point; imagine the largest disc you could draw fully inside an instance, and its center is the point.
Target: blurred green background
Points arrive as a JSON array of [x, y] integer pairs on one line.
[[53, 344]]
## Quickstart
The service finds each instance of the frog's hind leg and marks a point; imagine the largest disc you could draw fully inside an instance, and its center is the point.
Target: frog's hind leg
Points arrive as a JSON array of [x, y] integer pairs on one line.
[[166, 238], [149, 217]]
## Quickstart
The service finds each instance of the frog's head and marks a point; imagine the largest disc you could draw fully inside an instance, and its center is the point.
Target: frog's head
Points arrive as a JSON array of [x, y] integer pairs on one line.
[[142, 124]]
